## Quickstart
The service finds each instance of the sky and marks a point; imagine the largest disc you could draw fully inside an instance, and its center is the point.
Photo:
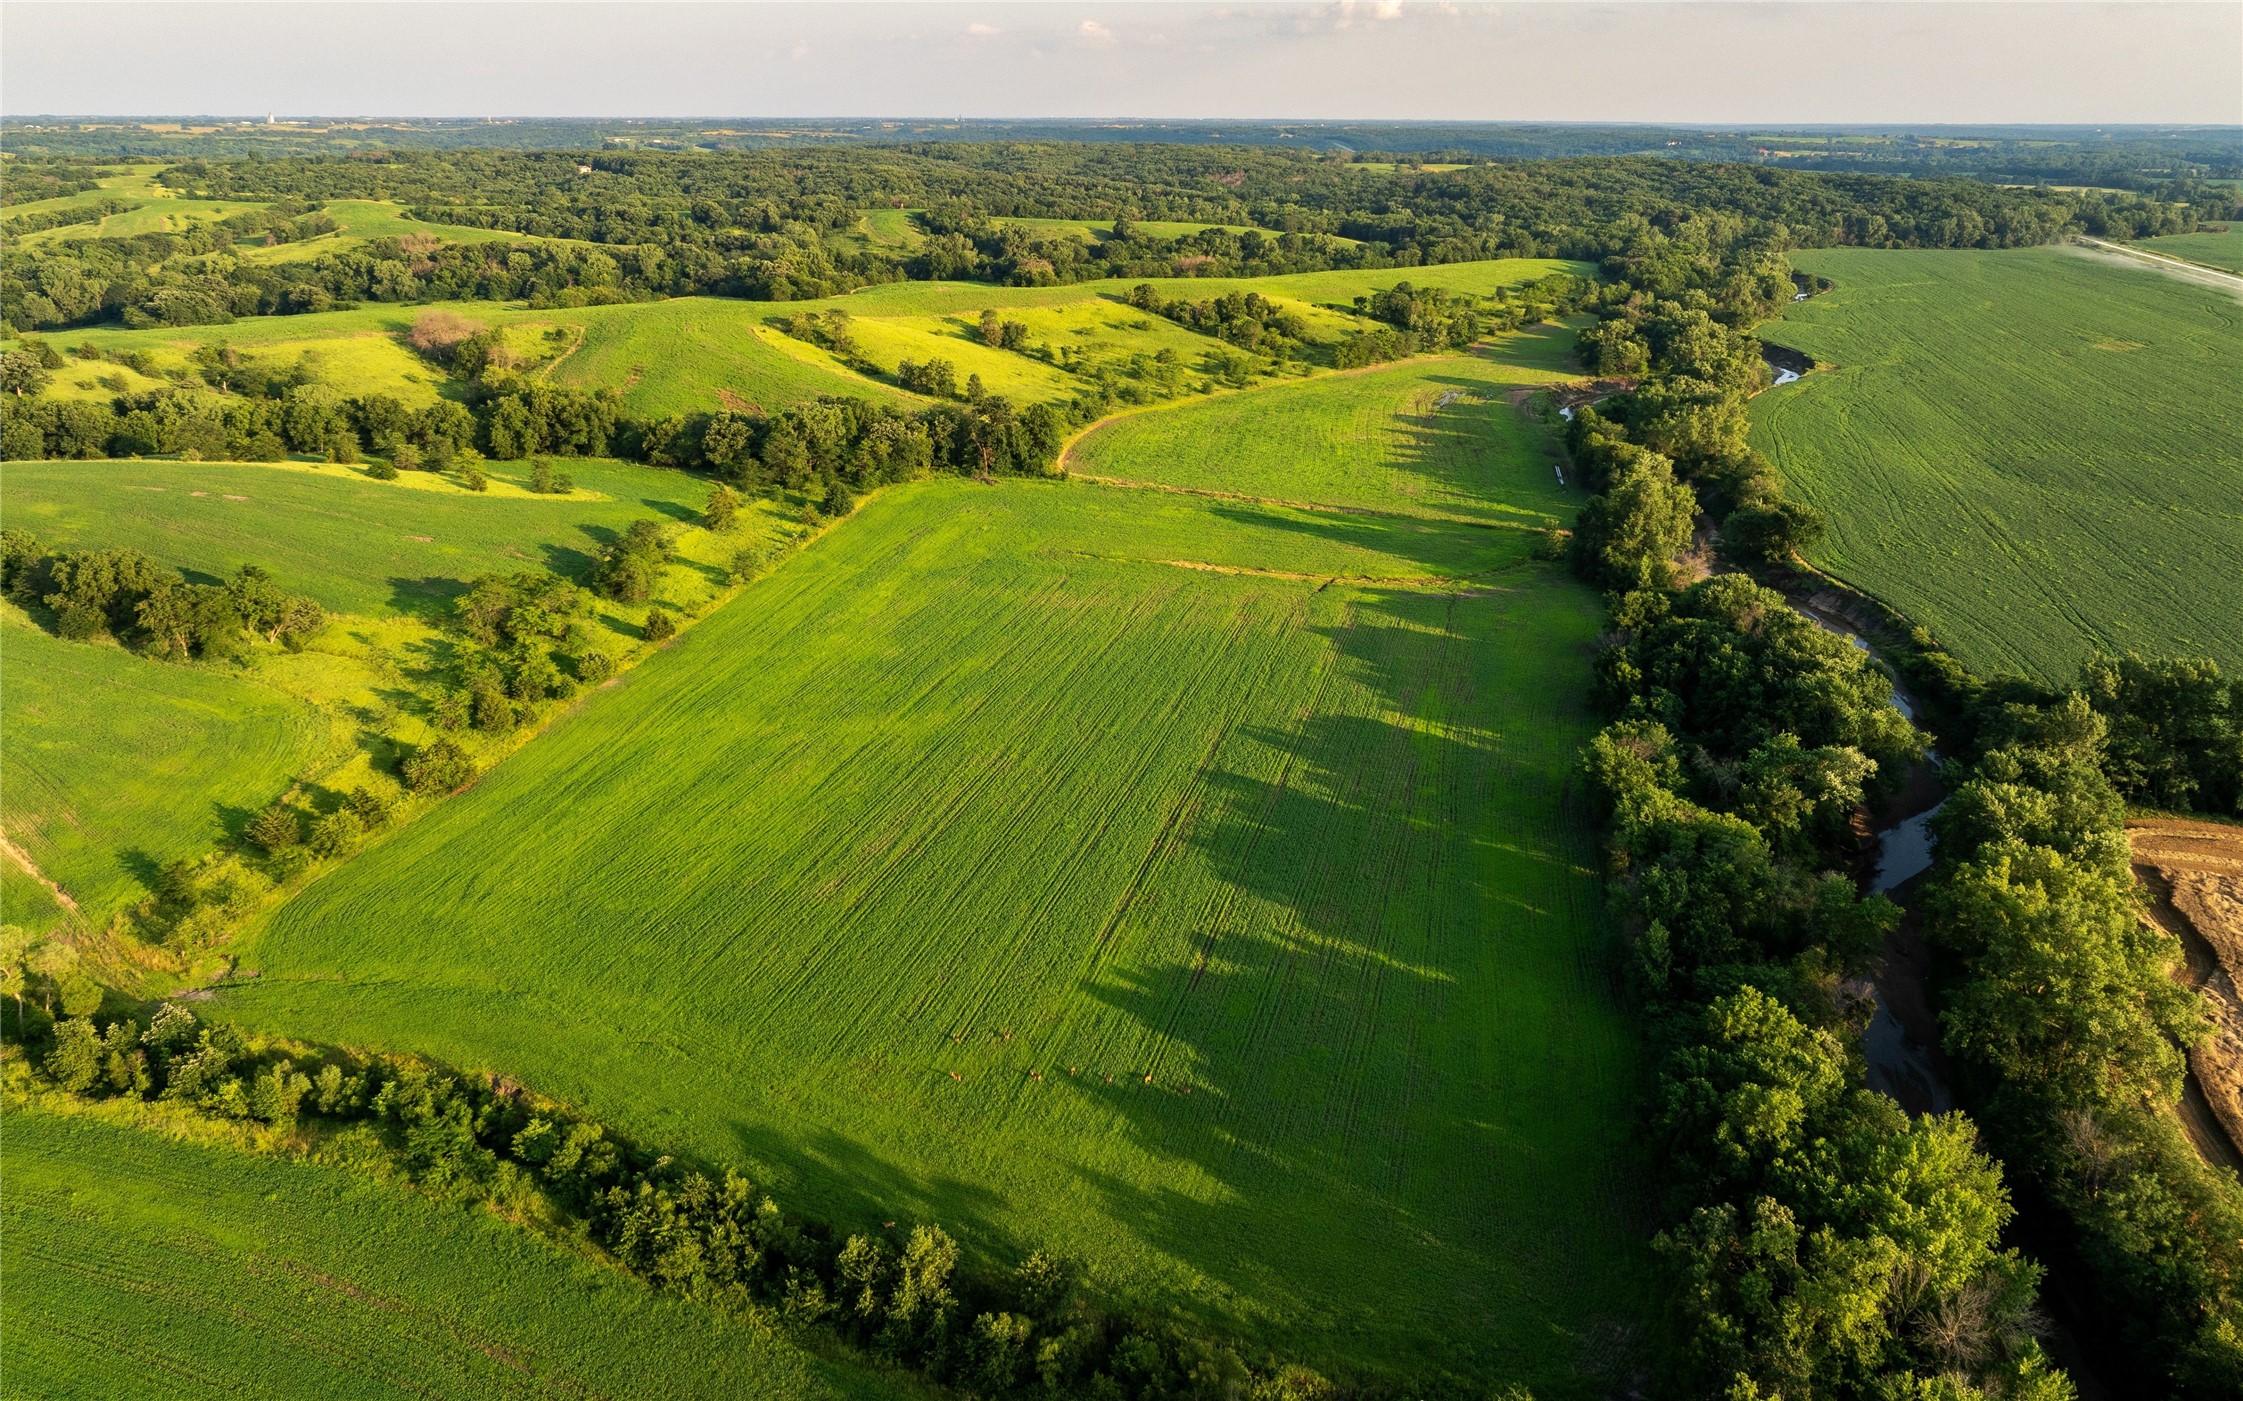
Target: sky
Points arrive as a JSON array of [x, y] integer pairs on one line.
[[1681, 61]]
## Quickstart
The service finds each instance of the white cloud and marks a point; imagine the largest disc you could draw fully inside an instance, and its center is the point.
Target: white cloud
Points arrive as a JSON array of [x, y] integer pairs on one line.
[[983, 30], [1389, 9], [1095, 32]]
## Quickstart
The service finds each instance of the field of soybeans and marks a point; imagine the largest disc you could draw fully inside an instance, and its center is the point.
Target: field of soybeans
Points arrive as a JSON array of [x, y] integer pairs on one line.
[[2032, 452], [1134, 874], [133, 1256]]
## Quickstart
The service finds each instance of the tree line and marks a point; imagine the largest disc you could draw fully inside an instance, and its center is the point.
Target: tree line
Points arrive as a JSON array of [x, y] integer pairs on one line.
[[911, 1298], [838, 446], [1820, 1242]]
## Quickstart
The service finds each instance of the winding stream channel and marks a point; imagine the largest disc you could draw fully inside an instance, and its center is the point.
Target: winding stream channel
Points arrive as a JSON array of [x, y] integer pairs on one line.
[[1902, 1043]]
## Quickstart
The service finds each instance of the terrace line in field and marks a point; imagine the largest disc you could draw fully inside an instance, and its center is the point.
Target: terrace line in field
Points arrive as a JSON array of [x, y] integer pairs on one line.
[[1060, 863]]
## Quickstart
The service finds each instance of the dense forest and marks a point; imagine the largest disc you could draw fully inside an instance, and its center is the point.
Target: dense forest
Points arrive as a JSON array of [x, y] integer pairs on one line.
[[2134, 158], [777, 225]]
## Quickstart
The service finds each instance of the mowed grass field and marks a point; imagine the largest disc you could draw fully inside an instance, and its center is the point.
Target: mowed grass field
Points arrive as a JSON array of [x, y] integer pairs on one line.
[[117, 764], [2032, 452], [355, 544], [2219, 248], [1196, 887], [1428, 436], [143, 1266]]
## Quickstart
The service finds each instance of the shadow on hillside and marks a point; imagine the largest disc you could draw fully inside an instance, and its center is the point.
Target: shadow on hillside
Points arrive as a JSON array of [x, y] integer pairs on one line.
[[1410, 545], [1363, 1041]]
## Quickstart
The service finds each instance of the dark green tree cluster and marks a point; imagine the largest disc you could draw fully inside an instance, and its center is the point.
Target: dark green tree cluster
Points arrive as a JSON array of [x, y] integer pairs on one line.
[[525, 641], [911, 1300], [124, 594], [848, 445], [1822, 1243], [783, 226], [2067, 1026], [2175, 730]]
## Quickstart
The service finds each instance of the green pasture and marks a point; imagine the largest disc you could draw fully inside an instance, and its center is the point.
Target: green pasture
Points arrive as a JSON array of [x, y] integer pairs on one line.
[[355, 544], [117, 764], [1193, 886], [1427, 436], [887, 341], [894, 228], [353, 352], [360, 220], [140, 1265], [704, 353], [2219, 248], [2031, 452]]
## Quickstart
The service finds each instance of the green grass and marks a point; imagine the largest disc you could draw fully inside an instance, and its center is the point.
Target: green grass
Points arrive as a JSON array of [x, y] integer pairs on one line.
[[1429, 436], [2032, 452], [144, 1266], [2222, 248], [1000, 783], [118, 765], [360, 220], [702, 353], [355, 544], [887, 341]]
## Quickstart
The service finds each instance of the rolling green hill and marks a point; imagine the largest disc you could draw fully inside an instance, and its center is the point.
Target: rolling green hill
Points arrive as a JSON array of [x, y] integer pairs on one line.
[[118, 764], [1107, 869], [2031, 452], [355, 544], [1429, 436]]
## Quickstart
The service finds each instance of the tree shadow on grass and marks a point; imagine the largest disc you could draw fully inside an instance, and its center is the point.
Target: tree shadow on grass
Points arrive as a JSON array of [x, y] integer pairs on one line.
[[1442, 548], [428, 599], [859, 1190], [1369, 1040]]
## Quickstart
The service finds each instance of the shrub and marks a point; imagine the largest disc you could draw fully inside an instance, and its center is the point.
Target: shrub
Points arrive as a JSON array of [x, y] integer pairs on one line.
[[337, 833], [660, 626], [439, 766], [275, 829]]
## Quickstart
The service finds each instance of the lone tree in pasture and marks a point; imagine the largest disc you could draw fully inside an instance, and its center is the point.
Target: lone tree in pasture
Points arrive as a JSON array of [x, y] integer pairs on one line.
[[723, 510]]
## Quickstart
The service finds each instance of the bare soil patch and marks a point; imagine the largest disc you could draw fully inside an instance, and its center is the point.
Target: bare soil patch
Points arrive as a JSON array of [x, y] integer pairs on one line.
[[2193, 873]]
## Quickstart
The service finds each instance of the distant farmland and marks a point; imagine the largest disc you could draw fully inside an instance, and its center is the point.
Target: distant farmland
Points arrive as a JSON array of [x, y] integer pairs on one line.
[[2220, 248], [132, 1256], [1078, 866], [2032, 452]]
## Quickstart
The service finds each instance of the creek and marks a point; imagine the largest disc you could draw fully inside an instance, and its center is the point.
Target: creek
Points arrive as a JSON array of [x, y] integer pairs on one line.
[[1902, 1043]]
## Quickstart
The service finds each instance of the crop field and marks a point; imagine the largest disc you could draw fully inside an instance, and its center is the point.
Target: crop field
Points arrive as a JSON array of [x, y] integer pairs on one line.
[[1128, 872], [140, 1265], [2220, 248], [355, 544], [2031, 452], [118, 764], [1430, 436]]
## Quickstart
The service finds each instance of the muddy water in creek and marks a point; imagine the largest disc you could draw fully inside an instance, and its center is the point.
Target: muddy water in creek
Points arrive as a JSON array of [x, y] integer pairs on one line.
[[1902, 1044]]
